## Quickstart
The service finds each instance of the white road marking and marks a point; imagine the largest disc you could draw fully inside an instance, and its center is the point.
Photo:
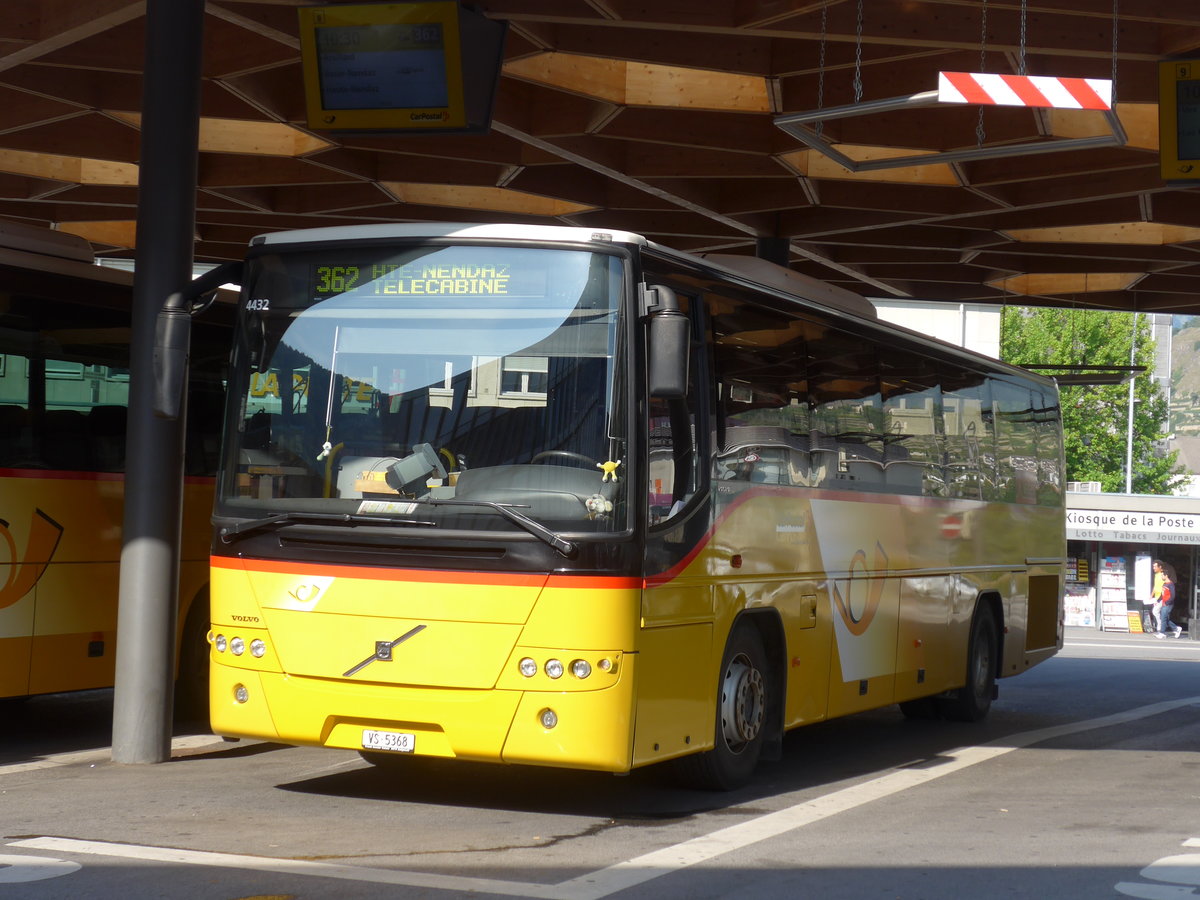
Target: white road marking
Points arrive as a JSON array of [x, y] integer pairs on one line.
[[103, 754], [1139, 647], [623, 875], [1181, 871], [292, 867], [23, 869]]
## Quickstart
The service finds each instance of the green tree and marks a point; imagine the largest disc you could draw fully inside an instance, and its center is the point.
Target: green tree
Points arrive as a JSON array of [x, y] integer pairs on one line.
[[1095, 417]]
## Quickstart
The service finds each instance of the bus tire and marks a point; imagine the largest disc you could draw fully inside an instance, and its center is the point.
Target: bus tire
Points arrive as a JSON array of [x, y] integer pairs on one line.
[[743, 699], [191, 685], [971, 702]]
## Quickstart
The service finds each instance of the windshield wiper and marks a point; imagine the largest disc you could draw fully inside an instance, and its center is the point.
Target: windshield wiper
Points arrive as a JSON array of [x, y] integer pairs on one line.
[[347, 520], [537, 529]]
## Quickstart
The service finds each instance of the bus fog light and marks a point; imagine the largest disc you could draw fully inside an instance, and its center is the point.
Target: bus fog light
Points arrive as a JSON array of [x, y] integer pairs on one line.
[[257, 648], [240, 694], [237, 646], [549, 718], [605, 665], [554, 668], [581, 668], [528, 667], [220, 643]]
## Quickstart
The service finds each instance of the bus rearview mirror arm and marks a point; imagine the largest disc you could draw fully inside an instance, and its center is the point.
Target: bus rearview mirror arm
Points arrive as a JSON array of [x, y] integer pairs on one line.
[[173, 335], [668, 342]]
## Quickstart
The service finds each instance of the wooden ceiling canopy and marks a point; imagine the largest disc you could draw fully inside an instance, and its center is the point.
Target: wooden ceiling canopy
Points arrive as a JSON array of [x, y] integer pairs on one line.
[[656, 116]]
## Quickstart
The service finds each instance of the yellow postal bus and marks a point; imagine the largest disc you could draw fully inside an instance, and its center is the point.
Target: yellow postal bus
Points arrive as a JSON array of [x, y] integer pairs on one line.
[[565, 497], [64, 392]]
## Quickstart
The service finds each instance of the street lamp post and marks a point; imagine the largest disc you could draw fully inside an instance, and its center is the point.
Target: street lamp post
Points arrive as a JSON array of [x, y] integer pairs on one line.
[[1129, 426]]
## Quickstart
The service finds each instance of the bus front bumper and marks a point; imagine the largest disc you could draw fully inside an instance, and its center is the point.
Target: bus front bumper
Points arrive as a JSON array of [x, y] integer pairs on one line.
[[591, 729]]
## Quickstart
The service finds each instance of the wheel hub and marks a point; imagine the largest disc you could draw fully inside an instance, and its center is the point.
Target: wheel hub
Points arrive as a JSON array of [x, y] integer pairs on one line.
[[742, 703]]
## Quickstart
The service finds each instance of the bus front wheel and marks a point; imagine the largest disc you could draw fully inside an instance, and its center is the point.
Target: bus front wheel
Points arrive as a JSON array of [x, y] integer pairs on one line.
[[971, 702], [741, 717]]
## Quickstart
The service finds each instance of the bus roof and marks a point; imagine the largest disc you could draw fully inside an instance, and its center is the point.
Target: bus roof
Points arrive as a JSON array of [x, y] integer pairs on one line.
[[752, 269], [491, 231]]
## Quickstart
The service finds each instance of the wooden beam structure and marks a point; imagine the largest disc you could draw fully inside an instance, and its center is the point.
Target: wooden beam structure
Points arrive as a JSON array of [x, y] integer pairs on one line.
[[658, 117]]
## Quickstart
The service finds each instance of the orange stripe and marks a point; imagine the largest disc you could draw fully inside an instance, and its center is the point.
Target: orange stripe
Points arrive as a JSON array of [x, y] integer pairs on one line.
[[661, 578], [436, 576], [68, 475]]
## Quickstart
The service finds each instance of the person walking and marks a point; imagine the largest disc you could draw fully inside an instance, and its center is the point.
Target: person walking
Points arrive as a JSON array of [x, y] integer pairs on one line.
[[1166, 601], [1151, 624]]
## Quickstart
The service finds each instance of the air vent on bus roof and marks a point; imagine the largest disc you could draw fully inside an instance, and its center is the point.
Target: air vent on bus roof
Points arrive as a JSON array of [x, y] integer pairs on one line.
[[14, 236], [782, 278]]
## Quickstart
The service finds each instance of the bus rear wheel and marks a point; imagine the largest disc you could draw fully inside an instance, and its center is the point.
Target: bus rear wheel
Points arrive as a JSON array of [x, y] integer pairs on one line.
[[743, 698], [973, 700]]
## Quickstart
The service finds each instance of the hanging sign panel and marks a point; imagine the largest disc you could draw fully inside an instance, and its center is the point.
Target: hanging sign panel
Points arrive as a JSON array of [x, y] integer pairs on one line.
[[1179, 119], [413, 67]]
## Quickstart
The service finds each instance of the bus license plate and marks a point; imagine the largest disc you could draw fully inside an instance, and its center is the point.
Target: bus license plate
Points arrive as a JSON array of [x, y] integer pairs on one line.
[[396, 741]]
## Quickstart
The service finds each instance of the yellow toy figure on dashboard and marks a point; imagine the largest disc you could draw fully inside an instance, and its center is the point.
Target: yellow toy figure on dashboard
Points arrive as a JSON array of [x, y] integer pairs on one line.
[[610, 470]]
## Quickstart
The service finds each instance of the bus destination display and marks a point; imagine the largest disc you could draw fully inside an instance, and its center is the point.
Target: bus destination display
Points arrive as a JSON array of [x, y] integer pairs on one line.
[[419, 279]]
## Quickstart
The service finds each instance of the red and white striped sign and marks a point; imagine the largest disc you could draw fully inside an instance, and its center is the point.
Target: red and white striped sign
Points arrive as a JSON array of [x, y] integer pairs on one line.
[[986, 89]]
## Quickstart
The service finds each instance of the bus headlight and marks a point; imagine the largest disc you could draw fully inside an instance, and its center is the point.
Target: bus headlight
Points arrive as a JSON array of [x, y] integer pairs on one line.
[[554, 668], [581, 668], [257, 648], [549, 718], [240, 694], [220, 643], [528, 667], [237, 646]]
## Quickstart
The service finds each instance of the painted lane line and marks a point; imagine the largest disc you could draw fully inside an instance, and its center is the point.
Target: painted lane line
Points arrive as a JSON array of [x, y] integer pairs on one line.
[[652, 865], [102, 754], [1124, 645], [641, 869], [293, 867]]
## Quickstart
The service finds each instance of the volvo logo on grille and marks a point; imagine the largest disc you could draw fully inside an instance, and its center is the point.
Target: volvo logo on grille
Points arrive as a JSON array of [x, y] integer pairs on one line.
[[383, 651]]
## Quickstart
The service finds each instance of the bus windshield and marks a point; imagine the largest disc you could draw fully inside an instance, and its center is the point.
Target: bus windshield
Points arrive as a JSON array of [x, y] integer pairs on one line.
[[429, 384]]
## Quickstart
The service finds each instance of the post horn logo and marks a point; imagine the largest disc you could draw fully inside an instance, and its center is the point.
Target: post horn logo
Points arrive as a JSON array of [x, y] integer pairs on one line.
[[44, 535], [857, 621]]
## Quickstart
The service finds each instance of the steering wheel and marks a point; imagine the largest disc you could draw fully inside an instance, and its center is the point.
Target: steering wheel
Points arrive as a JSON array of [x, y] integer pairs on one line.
[[566, 454]]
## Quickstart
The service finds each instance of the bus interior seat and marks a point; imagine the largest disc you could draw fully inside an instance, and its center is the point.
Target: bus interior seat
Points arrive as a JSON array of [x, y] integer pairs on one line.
[[14, 434], [106, 435], [65, 441]]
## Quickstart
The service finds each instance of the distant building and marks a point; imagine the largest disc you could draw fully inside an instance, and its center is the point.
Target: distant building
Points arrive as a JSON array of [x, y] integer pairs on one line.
[[975, 326]]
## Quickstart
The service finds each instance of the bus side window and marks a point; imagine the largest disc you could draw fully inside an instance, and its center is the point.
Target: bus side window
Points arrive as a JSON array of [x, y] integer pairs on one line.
[[763, 410]]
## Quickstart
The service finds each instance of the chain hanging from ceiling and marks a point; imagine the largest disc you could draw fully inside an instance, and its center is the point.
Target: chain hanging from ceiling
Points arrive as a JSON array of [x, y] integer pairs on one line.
[[980, 134], [958, 88], [821, 64], [858, 31]]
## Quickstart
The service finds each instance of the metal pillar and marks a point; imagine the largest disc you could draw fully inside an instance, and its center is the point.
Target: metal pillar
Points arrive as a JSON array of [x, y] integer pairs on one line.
[[154, 472]]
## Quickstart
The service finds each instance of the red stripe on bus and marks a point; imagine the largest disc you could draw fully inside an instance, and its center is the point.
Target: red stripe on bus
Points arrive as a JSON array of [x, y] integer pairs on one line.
[[661, 578], [74, 475], [506, 579]]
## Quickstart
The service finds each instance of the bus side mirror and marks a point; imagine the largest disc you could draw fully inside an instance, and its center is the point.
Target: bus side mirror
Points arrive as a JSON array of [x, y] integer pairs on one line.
[[668, 343], [172, 345], [173, 336]]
